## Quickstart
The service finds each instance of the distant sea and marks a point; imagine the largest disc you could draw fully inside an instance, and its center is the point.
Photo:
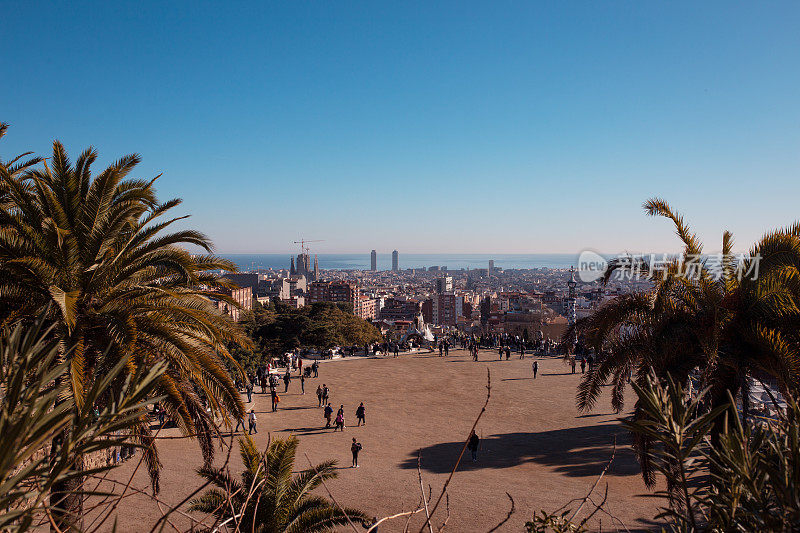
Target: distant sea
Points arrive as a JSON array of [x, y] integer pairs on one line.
[[451, 261]]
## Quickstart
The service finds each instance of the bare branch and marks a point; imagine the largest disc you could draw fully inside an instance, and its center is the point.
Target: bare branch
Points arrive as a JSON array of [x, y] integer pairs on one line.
[[409, 514], [596, 481], [446, 506], [508, 516], [464, 447], [422, 491]]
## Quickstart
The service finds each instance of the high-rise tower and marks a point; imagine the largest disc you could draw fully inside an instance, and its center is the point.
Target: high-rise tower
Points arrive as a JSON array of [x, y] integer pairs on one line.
[[373, 261], [395, 261], [571, 297]]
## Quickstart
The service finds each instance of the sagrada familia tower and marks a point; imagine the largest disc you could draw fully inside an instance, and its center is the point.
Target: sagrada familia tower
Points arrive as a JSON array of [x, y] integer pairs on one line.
[[303, 267]]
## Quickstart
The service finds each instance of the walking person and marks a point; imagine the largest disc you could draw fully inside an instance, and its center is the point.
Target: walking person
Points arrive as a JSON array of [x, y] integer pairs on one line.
[[583, 365], [328, 412], [535, 368], [326, 393], [286, 379], [361, 414], [251, 422], [249, 389], [355, 448], [339, 419], [239, 422], [472, 444], [572, 363], [319, 395], [315, 368], [302, 384], [446, 349], [275, 399]]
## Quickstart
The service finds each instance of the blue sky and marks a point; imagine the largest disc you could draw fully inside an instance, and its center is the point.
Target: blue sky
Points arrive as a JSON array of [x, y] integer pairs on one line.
[[495, 127]]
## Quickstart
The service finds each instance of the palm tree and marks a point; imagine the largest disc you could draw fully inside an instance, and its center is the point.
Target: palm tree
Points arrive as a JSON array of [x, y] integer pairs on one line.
[[727, 326], [12, 168], [268, 499], [121, 287]]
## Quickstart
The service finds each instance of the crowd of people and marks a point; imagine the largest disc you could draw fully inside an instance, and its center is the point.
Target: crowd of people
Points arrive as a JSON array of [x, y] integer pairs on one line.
[[267, 377]]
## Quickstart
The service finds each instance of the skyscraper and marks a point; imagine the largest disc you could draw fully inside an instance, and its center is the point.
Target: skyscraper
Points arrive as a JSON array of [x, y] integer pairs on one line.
[[395, 261], [571, 313], [491, 266], [373, 261]]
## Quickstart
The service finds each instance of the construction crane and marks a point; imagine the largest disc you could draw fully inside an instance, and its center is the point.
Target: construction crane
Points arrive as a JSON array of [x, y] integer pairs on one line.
[[303, 242]]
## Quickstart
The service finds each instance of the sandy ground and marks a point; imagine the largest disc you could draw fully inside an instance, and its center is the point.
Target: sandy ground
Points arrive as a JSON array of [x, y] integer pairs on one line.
[[534, 445]]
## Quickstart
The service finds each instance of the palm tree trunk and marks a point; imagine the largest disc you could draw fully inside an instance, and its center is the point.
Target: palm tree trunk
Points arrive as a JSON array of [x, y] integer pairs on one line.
[[66, 496], [728, 381], [66, 501]]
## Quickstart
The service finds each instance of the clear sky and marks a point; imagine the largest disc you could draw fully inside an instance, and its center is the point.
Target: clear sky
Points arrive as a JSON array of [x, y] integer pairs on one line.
[[427, 127]]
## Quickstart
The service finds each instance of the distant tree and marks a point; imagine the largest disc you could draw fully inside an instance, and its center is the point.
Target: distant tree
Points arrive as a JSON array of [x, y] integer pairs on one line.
[[320, 325]]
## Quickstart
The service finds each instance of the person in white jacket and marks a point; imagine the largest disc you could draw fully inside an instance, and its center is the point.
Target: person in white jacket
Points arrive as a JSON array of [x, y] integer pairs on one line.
[[251, 421]]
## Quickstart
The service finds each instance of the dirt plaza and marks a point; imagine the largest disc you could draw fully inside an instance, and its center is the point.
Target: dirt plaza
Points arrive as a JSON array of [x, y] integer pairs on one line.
[[534, 445]]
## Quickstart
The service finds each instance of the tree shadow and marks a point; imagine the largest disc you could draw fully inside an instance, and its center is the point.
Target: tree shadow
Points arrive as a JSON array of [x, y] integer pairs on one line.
[[478, 361], [318, 430], [574, 452]]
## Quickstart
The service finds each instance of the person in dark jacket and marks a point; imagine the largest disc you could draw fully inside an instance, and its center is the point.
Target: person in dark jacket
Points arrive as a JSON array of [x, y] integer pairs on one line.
[[361, 414], [472, 444], [355, 448]]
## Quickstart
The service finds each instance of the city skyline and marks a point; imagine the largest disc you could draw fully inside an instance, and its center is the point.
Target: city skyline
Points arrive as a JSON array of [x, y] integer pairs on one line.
[[489, 129]]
